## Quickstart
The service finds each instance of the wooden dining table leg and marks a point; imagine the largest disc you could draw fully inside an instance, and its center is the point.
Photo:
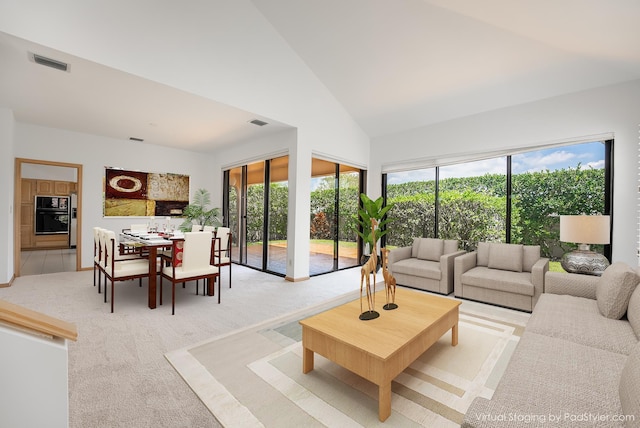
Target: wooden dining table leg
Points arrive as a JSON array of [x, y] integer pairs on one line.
[[153, 255]]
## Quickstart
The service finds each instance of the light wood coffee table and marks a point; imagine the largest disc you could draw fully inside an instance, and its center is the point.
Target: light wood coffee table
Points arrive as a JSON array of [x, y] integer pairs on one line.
[[380, 349]]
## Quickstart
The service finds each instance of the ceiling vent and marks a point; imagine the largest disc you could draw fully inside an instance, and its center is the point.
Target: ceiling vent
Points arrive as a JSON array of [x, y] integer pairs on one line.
[[258, 122], [43, 60], [136, 139]]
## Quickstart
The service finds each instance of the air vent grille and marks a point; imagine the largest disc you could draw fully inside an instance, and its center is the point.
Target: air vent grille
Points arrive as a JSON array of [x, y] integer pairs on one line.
[[258, 122], [136, 139], [48, 62]]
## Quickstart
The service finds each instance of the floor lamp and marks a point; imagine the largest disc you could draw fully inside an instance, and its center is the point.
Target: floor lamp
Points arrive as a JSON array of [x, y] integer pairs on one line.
[[585, 230]]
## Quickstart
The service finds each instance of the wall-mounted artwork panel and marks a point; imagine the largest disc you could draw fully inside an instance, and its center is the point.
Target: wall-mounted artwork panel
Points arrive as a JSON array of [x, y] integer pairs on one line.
[[144, 194]]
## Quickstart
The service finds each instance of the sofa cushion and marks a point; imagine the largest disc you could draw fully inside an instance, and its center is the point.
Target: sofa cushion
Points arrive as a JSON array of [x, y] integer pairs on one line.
[[577, 319], [614, 289], [415, 247], [633, 311], [483, 254], [450, 246], [629, 389], [416, 267], [530, 255], [550, 376], [430, 249], [505, 257], [512, 282]]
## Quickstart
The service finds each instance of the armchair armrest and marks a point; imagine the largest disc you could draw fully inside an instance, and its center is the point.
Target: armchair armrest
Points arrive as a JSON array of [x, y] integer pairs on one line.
[[398, 254], [572, 284], [462, 264], [447, 269], [538, 271]]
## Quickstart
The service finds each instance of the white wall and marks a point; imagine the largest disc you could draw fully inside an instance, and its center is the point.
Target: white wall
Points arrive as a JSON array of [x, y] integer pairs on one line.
[[95, 153], [221, 50], [48, 172], [613, 109], [6, 195]]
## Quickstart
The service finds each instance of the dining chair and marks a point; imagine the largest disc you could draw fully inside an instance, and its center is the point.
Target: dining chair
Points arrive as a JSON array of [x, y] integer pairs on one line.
[[196, 228], [120, 270], [211, 229], [97, 256], [222, 254], [191, 261]]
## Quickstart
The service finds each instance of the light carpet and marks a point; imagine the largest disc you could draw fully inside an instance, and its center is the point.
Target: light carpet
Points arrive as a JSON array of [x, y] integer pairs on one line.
[[253, 377]]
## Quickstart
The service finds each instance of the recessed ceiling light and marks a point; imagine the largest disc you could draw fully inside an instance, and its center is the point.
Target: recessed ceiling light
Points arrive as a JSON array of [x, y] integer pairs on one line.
[[258, 122], [49, 62]]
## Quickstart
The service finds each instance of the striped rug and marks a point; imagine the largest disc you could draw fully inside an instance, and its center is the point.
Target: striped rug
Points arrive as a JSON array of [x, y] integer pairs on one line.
[[254, 377]]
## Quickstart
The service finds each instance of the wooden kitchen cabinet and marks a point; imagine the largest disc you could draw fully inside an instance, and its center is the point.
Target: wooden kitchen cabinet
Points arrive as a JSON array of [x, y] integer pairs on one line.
[[28, 191], [61, 188], [44, 187]]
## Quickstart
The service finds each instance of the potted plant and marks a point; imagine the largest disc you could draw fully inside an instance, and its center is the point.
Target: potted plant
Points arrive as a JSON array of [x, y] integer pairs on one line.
[[372, 209], [197, 212]]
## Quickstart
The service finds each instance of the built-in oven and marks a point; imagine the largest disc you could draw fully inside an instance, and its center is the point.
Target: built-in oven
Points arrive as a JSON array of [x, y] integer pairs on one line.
[[51, 215]]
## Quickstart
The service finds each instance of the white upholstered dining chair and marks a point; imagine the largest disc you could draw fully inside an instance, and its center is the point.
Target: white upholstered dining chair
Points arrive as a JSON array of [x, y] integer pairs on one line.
[[191, 260], [116, 269], [222, 253]]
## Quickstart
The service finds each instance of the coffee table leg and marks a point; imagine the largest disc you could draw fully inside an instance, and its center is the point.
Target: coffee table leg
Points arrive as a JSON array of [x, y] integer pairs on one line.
[[384, 401], [454, 335], [307, 360]]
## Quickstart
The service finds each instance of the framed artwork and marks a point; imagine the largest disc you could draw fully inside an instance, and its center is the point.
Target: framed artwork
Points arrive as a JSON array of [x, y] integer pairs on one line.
[[144, 194]]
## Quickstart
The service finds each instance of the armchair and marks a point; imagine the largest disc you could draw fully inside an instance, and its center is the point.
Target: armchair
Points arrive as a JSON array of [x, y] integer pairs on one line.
[[428, 264]]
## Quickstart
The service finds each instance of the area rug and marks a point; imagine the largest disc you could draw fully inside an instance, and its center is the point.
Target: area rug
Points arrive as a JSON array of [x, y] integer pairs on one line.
[[253, 377]]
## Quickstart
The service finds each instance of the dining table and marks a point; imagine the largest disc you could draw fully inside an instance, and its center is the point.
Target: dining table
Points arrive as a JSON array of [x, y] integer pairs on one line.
[[150, 243]]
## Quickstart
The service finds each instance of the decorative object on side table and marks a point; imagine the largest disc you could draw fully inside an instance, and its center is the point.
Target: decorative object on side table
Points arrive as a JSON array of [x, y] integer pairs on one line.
[[366, 270], [389, 282], [585, 230]]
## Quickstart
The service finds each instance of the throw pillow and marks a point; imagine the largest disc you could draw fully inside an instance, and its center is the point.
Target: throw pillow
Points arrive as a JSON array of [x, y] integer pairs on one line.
[[483, 254], [629, 387], [505, 257], [177, 253], [614, 289], [415, 247], [530, 255], [633, 311], [430, 249], [450, 246]]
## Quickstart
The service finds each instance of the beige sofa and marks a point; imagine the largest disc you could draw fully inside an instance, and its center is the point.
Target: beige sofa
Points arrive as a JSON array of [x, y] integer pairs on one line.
[[578, 361], [426, 265], [510, 275]]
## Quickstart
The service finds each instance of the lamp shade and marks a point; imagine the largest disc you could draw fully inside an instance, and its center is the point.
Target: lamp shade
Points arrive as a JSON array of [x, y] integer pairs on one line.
[[585, 229]]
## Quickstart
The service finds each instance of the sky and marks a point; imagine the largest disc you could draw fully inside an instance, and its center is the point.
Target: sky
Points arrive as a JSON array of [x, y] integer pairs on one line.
[[587, 154]]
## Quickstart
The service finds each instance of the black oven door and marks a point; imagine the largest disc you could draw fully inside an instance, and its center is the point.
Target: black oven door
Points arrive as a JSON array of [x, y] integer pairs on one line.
[[50, 221]]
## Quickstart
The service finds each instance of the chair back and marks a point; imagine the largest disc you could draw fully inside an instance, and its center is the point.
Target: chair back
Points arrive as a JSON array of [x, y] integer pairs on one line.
[[139, 228], [223, 234], [196, 228], [103, 243], [209, 229], [197, 250], [96, 242], [109, 240]]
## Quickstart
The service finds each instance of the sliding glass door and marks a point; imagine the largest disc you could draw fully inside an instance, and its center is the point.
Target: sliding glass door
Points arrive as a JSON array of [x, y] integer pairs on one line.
[[335, 191], [256, 205]]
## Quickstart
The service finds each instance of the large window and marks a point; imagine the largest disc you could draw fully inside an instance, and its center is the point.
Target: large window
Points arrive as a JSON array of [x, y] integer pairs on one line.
[[515, 198]]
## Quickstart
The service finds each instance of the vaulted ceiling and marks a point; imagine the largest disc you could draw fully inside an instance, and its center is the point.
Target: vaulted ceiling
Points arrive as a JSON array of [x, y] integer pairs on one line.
[[393, 65]]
